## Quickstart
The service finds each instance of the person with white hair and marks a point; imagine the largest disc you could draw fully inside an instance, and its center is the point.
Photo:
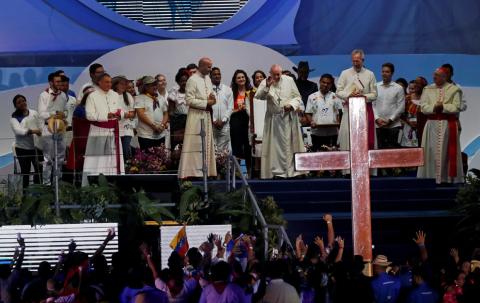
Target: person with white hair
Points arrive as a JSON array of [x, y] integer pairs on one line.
[[282, 137], [357, 81], [441, 103]]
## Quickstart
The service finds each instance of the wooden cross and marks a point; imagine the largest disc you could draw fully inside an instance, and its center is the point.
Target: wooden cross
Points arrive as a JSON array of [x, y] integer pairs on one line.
[[359, 160]]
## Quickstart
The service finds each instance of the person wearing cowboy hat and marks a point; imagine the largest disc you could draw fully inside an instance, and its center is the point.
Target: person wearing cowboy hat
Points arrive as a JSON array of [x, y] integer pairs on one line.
[[305, 86], [386, 288]]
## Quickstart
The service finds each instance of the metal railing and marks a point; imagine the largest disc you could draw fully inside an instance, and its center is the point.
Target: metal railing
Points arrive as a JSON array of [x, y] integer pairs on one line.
[[231, 185]]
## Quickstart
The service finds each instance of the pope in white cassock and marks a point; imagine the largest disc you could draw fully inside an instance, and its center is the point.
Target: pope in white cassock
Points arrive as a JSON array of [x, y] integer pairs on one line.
[[103, 154], [282, 137], [200, 98]]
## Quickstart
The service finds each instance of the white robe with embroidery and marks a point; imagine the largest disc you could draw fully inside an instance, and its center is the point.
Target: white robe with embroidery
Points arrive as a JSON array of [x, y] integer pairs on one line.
[[436, 133], [282, 137]]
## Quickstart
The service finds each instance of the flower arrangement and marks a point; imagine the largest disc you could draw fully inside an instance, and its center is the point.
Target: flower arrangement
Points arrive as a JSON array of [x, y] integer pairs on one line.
[[149, 161], [221, 158]]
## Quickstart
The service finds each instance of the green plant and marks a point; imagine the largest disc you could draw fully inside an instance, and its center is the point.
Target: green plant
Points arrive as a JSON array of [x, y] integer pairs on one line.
[[468, 206], [92, 203], [229, 208]]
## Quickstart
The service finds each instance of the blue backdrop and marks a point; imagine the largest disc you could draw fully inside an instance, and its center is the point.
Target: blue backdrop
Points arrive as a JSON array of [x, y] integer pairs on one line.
[[38, 36]]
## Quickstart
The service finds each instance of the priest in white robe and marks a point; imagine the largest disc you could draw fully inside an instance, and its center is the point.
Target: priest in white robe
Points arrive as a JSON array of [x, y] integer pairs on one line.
[[441, 103], [282, 137], [354, 82], [103, 154], [200, 98]]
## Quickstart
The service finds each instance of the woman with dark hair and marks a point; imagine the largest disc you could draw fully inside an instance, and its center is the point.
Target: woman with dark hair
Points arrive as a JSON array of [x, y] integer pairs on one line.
[[403, 83], [257, 77], [239, 120], [420, 83], [127, 123], [25, 123], [408, 136], [178, 108], [80, 128]]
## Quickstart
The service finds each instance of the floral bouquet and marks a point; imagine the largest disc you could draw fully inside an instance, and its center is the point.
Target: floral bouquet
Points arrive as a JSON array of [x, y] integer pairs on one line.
[[150, 161], [221, 158]]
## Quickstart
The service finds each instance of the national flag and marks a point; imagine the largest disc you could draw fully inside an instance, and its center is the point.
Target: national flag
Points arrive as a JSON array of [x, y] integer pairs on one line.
[[179, 243]]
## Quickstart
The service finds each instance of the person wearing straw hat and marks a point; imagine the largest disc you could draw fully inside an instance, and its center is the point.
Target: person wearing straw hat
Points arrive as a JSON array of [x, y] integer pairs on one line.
[[152, 112], [52, 109], [386, 288]]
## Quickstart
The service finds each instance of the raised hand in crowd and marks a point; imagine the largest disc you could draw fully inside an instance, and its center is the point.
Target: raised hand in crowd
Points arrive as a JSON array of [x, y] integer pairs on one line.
[[328, 218], [341, 245], [454, 254], [110, 235], [420, 241], [300, 247]]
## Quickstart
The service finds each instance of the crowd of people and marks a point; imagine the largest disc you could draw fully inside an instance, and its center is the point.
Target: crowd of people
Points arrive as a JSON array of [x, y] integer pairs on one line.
[[231, 270], [98, 127]]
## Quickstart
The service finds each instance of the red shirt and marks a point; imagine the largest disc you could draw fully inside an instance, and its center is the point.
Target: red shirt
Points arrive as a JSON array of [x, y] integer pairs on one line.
[[240, 100]]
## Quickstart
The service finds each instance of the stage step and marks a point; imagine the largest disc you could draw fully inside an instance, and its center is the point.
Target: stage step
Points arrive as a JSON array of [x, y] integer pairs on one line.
[[400, 206]]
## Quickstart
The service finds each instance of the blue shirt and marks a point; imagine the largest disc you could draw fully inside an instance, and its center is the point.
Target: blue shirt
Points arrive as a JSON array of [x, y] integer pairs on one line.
[[386, 288], [80, 112], [423, 294]]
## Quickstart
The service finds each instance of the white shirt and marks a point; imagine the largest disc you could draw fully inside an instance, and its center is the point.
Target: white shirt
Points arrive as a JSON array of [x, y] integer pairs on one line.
[[324, 110], [47, 107], [156, 116], [224, 106], [390, 103], [463, 100], [80, 93], [100, 104], [20, 129], [127, 125], [181, 107], [364, 81], [71, 104]]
